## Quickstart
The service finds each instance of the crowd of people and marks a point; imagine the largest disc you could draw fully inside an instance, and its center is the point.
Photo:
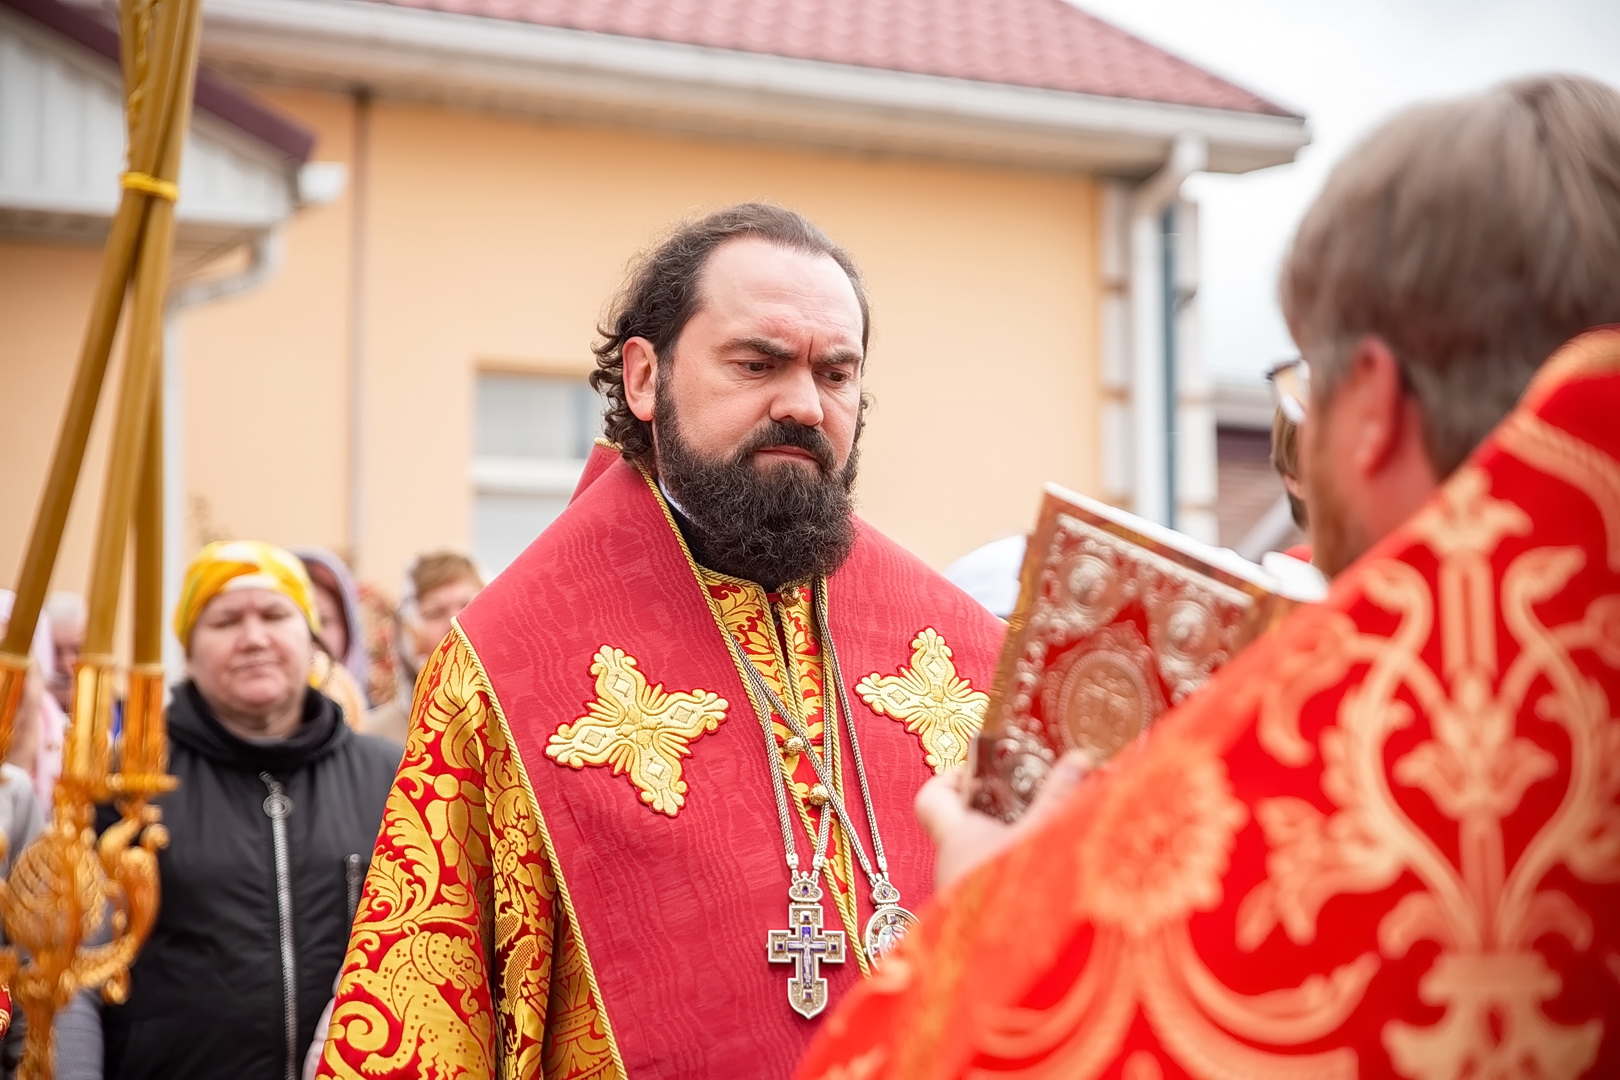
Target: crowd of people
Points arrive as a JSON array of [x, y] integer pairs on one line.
[[697, 750], [366, 656], [285, 734]]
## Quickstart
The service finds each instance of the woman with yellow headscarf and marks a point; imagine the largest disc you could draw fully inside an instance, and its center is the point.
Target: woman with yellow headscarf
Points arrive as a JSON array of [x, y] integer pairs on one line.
[[244, 564], [270, 834]]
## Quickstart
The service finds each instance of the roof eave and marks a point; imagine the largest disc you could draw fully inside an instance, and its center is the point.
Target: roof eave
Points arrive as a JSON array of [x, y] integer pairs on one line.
[[487, 63], [213, 95], [64, 144]]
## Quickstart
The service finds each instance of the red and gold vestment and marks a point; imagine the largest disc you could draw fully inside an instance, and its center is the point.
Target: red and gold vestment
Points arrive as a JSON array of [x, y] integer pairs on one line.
[[1384, 842], [582, 858]]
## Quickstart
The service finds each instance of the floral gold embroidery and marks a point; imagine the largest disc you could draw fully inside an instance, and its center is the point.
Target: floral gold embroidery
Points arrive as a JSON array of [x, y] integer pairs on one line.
[[1574, 461], [580, 1045], [417, 904], [1151, 863], [935, 703], [1155, 856], [637, 729], [1481, 908], [573, 1041], [1593, 355], [866, 1067], [795, 671], [1449, 804], [1602, 629], [462, 900]]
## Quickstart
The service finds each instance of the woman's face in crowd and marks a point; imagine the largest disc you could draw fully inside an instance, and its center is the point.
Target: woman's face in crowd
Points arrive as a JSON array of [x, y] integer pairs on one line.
[[250, 653], [435, 609], [334, 629], [24, 751], [25, 723]]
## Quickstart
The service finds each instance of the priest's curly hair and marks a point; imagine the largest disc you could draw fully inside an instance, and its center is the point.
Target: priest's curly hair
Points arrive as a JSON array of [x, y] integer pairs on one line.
[[665, 290]]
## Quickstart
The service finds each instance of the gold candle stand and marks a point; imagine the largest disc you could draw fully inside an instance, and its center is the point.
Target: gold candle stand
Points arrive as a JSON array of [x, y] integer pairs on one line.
[[77, 907]]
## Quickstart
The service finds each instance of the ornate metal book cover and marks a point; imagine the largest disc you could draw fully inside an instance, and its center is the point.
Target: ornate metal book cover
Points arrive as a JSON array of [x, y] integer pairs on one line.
[[1118, 619]]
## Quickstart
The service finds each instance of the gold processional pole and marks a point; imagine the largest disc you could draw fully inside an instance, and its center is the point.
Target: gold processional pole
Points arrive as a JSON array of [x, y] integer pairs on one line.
[[69, 888]]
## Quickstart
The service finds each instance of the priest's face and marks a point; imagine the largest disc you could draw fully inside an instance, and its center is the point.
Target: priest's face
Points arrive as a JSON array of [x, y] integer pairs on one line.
[[757, 413]]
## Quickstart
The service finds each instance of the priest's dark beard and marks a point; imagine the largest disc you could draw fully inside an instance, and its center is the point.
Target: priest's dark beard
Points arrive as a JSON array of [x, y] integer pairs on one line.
[[772, 525]]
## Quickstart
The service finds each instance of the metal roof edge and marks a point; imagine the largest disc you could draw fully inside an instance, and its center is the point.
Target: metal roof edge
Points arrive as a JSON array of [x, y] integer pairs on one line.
[[420, 52], [214, 95]]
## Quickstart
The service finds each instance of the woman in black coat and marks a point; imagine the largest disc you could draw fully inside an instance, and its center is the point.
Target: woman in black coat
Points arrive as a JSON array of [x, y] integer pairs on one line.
[[270, 834]]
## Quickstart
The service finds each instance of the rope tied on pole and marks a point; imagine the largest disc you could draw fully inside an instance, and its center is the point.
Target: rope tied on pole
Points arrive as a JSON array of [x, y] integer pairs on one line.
[[151, 185]]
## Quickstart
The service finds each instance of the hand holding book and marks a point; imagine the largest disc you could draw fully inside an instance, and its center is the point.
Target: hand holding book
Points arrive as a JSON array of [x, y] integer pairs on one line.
[[1118, 619]]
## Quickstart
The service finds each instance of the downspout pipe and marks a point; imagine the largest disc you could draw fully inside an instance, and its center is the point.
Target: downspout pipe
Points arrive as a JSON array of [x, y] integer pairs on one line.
[[355, 345], [1151, 494], [264, 258]]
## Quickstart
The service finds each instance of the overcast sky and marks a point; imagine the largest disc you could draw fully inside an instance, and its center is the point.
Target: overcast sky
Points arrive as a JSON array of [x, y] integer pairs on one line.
[[1344, 64]]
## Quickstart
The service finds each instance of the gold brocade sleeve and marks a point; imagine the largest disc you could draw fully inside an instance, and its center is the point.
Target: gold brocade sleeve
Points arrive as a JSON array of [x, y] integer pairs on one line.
[[464, 961]]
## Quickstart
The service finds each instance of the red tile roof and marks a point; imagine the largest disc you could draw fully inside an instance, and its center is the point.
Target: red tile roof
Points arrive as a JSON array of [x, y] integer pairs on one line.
[[1041, 43]]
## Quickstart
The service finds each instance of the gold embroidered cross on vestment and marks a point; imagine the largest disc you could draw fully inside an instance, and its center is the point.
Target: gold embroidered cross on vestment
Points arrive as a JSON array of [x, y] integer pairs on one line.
[[935, 703], [637, 729]]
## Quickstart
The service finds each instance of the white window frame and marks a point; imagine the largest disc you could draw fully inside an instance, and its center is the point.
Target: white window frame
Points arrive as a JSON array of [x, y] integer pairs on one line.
[[519, 475], [526, 476]]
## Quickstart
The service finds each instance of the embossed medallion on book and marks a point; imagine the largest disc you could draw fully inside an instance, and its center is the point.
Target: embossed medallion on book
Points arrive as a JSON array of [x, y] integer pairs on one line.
[[1118, 619]]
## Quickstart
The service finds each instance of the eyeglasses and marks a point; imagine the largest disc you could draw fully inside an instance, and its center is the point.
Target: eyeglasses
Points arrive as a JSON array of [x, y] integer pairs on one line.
[[1291, 387]]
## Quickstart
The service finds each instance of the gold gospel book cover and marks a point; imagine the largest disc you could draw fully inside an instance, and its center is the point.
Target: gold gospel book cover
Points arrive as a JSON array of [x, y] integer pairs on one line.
[[1118, 619]]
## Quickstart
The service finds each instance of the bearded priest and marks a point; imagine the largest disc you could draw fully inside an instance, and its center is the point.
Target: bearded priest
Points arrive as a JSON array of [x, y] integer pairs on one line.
[[655, 808]]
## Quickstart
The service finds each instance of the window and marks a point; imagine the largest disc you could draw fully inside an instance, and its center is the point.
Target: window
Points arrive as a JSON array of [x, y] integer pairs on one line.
[[531, 436]]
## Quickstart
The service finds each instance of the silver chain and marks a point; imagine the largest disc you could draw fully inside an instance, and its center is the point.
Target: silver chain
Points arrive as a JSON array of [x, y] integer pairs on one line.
[[779, 785], [824, 771], [836, 672]]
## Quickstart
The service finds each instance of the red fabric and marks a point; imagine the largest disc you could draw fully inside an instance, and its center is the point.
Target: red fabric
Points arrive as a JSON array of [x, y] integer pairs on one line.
[[674, 910], [1042, 43], [600, 461], [1384, 842]]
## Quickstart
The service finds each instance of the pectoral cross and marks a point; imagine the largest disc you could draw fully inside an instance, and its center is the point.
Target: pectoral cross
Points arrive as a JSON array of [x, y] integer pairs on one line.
[[805, 946]]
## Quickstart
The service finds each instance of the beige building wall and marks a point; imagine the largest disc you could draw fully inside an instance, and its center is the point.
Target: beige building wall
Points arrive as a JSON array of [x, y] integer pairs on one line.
[[45, 294], [485, 240], [265, 378]]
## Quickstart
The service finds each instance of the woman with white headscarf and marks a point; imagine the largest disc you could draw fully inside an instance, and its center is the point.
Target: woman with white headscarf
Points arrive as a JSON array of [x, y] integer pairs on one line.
[[40, 724], [342, 670], [21, 819], [338, 599]]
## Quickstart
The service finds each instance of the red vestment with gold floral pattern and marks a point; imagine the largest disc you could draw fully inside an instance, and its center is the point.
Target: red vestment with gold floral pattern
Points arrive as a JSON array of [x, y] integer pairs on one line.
[[582, 857], [1384, 842]]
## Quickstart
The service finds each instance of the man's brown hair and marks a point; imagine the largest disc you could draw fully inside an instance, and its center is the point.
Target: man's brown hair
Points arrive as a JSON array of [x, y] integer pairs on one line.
[[1474, 237], [433, 569], [1285, 459], [665, 291]]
